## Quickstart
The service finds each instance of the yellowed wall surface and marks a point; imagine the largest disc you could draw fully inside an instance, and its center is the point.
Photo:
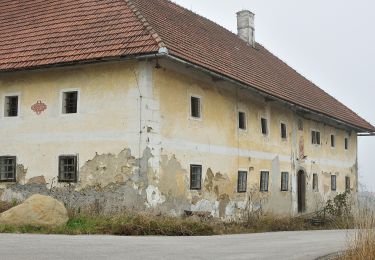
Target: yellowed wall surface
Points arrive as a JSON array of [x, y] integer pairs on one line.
[[136, 140]]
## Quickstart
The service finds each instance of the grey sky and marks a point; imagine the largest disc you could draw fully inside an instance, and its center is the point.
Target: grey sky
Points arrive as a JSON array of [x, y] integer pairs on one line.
[[329, 42]]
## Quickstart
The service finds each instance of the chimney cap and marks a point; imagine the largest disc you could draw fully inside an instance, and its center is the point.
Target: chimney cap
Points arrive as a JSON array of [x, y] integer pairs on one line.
[[245, 11]]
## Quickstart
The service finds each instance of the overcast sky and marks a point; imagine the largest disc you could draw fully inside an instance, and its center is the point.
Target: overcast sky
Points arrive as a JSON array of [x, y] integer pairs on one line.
[[332, 43]]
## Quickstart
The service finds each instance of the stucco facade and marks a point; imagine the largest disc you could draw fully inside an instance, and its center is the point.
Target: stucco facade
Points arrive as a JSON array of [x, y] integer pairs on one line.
[[135, 140]]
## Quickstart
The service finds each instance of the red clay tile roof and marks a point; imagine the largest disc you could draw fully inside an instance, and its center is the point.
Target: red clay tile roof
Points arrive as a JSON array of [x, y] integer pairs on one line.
[[39, 32]]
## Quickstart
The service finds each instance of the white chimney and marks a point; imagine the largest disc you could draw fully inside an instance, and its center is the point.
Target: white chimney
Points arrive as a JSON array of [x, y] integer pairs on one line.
[[245, 26]]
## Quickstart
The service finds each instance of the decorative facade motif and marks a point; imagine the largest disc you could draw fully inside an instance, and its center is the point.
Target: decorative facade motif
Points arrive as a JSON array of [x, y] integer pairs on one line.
[[39, 107]]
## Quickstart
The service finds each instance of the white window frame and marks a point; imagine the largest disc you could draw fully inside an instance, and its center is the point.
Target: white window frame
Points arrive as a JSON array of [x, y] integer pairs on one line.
[[267, 125], [18, 105], [200, 108], [320, 133], [238, 120], [61, 101]]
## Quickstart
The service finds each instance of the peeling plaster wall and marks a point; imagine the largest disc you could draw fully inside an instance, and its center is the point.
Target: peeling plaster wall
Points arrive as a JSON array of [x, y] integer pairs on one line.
[[135, 141]]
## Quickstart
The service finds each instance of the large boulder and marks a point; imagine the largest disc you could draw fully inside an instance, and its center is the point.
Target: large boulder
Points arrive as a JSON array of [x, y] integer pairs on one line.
[[38, 210]]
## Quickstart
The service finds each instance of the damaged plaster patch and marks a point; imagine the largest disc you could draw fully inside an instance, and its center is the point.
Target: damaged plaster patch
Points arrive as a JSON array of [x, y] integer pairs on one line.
[[39, 180], [154, 196]]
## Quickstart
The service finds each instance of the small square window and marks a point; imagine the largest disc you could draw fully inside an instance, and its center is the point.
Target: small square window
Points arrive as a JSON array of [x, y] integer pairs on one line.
[[315, 137], [7, 169], [333, 141], [333, 183], [195, 105], [195, 177], [11, 106], [68, 168], [264, 177], [315, 182], [242, 181], [347, 183], [346, 143], [264, 126], [242, 120], [284, 181], [70, 102], [283, 131]]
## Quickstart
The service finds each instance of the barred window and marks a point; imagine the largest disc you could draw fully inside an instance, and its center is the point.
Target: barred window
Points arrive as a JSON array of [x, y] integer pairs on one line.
[[346, 143], [242, 181], [264, 177], [68, 168], [333, 183], [7, 169], [315, 137], [11, 106], [70, 102], [315, 182], [284, 181], [195, 177], [347, 183]]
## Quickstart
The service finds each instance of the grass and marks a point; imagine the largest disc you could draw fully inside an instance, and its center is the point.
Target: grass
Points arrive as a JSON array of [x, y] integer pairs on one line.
[[133, 224]]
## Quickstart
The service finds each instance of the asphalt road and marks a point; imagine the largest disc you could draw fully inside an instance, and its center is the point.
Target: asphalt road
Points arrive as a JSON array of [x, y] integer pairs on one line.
[[283, 245]]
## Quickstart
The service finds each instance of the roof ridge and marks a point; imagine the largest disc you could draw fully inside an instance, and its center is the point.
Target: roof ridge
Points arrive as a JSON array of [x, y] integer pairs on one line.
[[146, 24]]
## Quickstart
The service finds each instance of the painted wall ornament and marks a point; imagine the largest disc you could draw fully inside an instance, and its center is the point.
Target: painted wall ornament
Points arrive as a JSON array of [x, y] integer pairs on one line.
[[39, 107]]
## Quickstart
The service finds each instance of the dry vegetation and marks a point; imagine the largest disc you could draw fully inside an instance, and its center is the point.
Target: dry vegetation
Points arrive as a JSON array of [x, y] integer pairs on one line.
[[362, 245], [93, 221]]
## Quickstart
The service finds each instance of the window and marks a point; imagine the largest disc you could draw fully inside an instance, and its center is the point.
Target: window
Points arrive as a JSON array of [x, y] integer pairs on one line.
[[283, 131], [195, 177], [333, 183], [264, 126], [347, 183], [315, 137], [300, 125], [264, 176], [70, 102], [242, 120], [315, 182], [11, 106], [242, 181], [68, 168], [7, 168], [284, 181], [346, 143], [333, 140], [195, 104]]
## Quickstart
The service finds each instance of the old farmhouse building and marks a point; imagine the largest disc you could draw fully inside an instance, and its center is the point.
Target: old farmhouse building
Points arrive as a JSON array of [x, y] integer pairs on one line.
[[144, 105]]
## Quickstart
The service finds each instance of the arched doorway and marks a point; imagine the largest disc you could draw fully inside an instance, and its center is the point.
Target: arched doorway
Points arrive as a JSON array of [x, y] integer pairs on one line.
[[301, 191]]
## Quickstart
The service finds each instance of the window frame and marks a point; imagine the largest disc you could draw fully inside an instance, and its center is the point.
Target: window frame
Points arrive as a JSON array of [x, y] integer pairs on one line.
[[5, 97], [284, 175], [347, 184], [264, 176], [315, 137], [315, 182], [264, 119], [283, 131], [346, 143], [333, 182], [76, 168], [7, 157], [242, 182], [62, 101], [241, 112], [192, 166], [333, 141], [200, 110]]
